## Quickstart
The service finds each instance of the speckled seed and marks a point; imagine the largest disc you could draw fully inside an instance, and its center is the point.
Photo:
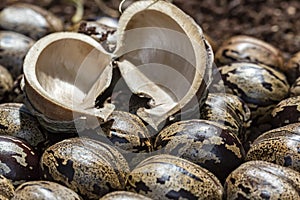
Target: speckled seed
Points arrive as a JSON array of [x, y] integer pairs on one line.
[[292, 68], [208, 144], [30, 20], [280, 146], [295, 88], [169, 177], [89, 167], [286, 112], [242, 48], [128, 134], [44, 190], [18, 160], [6, 82], [262, 180], [6, 188], [13, 48], [261, 87], [124, 195], [16, 94], [228, 110], [104, 34], [16, 120]]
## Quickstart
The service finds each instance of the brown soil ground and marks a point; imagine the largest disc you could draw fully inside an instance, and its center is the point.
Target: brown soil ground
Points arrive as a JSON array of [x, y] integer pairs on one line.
[[273, 21]]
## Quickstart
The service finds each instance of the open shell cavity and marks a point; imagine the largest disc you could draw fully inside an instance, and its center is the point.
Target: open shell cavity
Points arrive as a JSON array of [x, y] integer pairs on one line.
[[64, 73], [161, 53]]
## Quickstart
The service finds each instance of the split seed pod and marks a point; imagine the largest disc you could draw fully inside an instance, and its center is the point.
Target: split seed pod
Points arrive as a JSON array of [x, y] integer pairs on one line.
[[161, 53]]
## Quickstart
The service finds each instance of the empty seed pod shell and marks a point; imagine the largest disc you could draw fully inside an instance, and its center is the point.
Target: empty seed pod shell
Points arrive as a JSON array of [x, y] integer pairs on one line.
[[228, 110], [292, 68], [30, 20], [280, 146], [44, 190], [124, 195], [89, 167], [242, 48], [286, 112], [262, 180], [14, 47], [169, 177], [205, 143], [64, 73], [260, 86], [6, 188], [19, 161], [163, 55]]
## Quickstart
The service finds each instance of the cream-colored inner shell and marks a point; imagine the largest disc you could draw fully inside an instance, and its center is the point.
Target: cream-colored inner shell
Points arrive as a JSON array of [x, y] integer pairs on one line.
[[68, 69], [158, 61]]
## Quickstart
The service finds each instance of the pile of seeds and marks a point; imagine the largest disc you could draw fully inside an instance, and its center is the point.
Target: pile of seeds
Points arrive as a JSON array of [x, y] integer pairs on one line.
[[242, 143]]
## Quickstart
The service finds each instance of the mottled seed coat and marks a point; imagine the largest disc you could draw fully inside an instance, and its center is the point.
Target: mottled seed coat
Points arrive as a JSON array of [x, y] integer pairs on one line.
[[262, 180], [228, 110], [242, 48], [89, 167], [260, 86], [169, 177], [6, 188], [208, 144], [18, 160], [286, 112], [16, 120], [44, 190], [280, 146]]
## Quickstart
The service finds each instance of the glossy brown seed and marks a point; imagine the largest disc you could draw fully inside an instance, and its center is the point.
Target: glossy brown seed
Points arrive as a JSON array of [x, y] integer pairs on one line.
[[169, 177], [205, 143], [127, 132], [19, 161], [16, 120], [89, 167], [14, 47], [6, 82], [228, 110], [260, 86], [243, 48], [286, 112], [30, 20], [44, 190], [280, 146], [262, 180]]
